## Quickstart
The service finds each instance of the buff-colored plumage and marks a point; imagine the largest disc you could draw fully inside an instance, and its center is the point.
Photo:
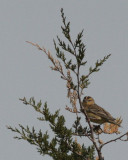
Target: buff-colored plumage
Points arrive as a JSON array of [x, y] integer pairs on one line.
[[96, 113]]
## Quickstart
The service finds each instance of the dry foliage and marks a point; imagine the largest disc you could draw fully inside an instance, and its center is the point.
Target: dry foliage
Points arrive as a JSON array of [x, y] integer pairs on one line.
[[112, 128], [78, 145]]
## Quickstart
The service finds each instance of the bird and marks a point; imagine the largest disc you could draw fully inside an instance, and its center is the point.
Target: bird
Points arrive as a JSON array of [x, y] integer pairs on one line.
[[95, 113]]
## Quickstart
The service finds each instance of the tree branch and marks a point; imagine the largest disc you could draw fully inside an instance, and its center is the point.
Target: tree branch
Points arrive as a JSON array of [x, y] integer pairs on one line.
[[114, 140]]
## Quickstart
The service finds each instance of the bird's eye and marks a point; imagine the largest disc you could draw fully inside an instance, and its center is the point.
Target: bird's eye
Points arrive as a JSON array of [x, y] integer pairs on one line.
[[88, 97]]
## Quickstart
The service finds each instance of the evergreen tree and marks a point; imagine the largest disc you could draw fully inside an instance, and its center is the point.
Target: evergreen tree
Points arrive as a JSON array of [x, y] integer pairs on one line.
[[63, 145]]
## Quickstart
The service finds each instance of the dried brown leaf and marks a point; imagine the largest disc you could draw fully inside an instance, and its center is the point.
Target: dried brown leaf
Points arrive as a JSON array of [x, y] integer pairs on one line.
[[111, 128]]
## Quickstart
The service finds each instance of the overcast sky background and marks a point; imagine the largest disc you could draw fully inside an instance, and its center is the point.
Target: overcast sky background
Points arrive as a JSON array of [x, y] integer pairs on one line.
[[25, 70]]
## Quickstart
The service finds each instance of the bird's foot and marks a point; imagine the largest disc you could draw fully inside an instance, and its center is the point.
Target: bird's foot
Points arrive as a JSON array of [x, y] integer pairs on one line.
[[97, 129]]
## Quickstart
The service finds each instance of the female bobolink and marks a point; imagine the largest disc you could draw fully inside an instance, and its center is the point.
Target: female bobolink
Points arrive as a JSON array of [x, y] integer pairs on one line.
[[96, 113]]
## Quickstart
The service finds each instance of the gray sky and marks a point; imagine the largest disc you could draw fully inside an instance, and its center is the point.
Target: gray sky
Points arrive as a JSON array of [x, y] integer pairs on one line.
[[25, 70]]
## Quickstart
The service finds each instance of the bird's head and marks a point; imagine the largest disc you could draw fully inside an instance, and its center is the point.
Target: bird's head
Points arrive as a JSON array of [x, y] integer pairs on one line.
[[88, 100]]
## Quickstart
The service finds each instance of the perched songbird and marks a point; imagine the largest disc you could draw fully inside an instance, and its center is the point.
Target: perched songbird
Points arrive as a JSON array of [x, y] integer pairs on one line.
[[96, 113]]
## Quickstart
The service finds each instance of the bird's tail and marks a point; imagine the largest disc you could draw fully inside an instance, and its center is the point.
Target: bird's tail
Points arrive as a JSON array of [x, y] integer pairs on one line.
[[117, 121]]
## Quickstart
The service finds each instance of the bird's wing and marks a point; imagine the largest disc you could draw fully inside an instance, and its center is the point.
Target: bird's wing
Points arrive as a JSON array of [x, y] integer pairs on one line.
[[99, 111]]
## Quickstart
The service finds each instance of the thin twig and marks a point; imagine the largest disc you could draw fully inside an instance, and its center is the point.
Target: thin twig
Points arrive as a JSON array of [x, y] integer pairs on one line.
[[114, 140]]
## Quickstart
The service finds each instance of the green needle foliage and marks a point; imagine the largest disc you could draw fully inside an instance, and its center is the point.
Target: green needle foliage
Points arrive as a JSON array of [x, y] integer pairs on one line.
[[63, 145]]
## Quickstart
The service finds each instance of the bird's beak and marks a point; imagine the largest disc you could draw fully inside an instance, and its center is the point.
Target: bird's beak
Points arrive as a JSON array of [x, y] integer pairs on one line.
[[84, 100]]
